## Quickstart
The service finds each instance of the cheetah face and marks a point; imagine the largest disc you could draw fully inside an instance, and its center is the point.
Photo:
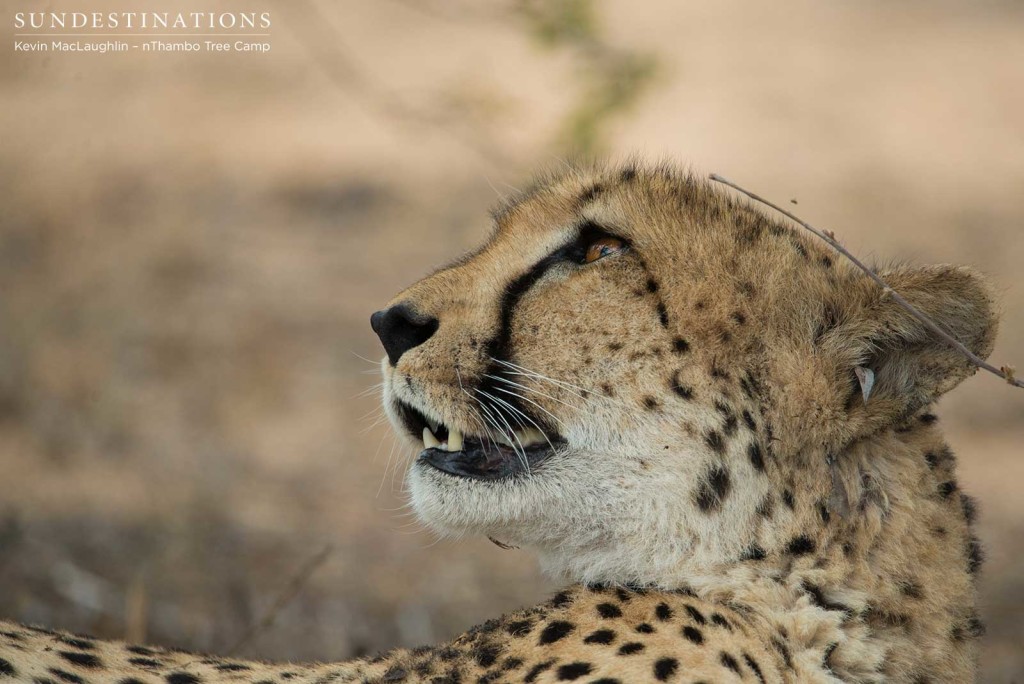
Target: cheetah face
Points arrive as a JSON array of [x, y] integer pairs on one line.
[[634, 364], [503, 418], [532, 377]]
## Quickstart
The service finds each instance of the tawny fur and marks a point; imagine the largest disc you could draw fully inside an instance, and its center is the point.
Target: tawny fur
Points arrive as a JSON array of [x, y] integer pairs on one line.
[[737, 510]]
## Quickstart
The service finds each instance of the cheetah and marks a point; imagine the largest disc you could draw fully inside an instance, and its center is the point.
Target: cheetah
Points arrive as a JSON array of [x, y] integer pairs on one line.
[[654, 387]]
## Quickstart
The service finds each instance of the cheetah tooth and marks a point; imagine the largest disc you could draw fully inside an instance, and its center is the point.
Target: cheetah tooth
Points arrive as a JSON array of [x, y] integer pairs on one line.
[[454, 439], [429, 440], [530, 436]]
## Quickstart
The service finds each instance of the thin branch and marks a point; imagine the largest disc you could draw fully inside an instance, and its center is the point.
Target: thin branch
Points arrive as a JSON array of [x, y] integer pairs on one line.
[[290, 591], [325, 43], [1006, 372]]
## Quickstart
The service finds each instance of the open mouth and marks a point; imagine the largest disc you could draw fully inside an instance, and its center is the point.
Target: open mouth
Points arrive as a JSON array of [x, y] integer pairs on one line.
[[480, 457]]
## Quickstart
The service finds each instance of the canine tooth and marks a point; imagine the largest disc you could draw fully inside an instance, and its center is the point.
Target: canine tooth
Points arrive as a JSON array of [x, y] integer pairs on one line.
[[454, 439], [429, 440]]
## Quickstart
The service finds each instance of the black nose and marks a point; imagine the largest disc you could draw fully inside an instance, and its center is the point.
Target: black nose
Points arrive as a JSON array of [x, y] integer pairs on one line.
[[401, 329]]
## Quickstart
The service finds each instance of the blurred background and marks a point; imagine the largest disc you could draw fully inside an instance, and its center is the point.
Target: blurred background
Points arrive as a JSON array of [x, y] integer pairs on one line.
[[191, 246]]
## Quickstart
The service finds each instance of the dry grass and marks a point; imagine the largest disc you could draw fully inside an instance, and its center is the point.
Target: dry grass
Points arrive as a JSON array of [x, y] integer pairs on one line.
[[190, 248]]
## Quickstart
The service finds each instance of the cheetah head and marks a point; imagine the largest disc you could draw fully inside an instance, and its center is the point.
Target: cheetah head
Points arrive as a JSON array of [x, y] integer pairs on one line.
[[634, 361]]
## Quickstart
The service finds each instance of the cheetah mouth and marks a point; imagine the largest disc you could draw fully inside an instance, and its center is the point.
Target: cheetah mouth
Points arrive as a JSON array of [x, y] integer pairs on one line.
[[489, 457]]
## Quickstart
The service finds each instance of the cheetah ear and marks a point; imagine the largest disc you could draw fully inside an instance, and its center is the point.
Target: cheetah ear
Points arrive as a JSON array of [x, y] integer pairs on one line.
[[912, 366]]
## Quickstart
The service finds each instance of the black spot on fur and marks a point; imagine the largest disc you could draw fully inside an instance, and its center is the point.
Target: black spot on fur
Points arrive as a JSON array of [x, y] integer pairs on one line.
[[823, 512], [693, 634], [650, 403], [753, 552], [972, 628], [715, 441], [614, 346], [713, 489], [538, 669], [756, 457], [754, 667], [487, 654], [696, 615], [652, 285], [234, 667], [787, 657], [721, 621], [555, 631], [601, 636], [81, 644], [631, 648], [519, 628], [66, 676], [589, 195], [628, 174], [663, 612], [6, 669], [738, 317], [801, 546], [748, 420], [665, 668], [149, 662], [662, 315], [609, 610], [561, 599], [787, 498], [80, 659], [911, 589], [975, 555], [718, 373], [182, 678], [730, 662], [818, 599], [644, 628], [969, 507], [141, 650], [680, 346], [680, 389], [928, 418], [573, 671], [395, 673], [607, 390], [946, 489], [510, 664], [766, 508], [799, 247]]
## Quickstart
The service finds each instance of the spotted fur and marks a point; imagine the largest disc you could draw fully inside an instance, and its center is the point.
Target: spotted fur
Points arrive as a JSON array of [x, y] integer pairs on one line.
[[725, 503]]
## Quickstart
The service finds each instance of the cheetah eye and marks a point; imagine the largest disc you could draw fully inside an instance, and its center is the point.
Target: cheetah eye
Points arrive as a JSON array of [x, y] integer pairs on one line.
[[602, 247]]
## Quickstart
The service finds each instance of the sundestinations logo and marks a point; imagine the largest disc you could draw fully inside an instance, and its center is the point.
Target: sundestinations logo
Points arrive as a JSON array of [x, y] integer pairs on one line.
[[106, 32]]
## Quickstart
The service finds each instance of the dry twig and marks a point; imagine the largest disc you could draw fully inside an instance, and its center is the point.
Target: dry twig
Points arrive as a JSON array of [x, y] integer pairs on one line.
[[1004, 372], [290, 591]]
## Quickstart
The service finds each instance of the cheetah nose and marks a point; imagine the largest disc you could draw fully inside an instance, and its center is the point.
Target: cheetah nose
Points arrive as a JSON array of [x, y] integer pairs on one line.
[[400, 329]]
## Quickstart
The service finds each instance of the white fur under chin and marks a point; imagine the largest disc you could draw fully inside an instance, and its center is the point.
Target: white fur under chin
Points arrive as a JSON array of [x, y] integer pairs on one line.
[[585, 524]]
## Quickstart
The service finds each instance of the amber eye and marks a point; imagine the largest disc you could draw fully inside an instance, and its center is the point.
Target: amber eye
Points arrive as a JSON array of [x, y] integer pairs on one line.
[[602, 247]]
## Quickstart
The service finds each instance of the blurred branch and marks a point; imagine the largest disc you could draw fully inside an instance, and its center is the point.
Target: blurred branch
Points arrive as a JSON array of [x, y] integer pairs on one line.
[[288, 593], [326, 45], [614, 78], [1005, 372]]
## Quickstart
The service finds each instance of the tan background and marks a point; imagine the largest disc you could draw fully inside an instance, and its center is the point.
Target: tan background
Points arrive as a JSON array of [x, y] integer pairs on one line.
[[191, 245]]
